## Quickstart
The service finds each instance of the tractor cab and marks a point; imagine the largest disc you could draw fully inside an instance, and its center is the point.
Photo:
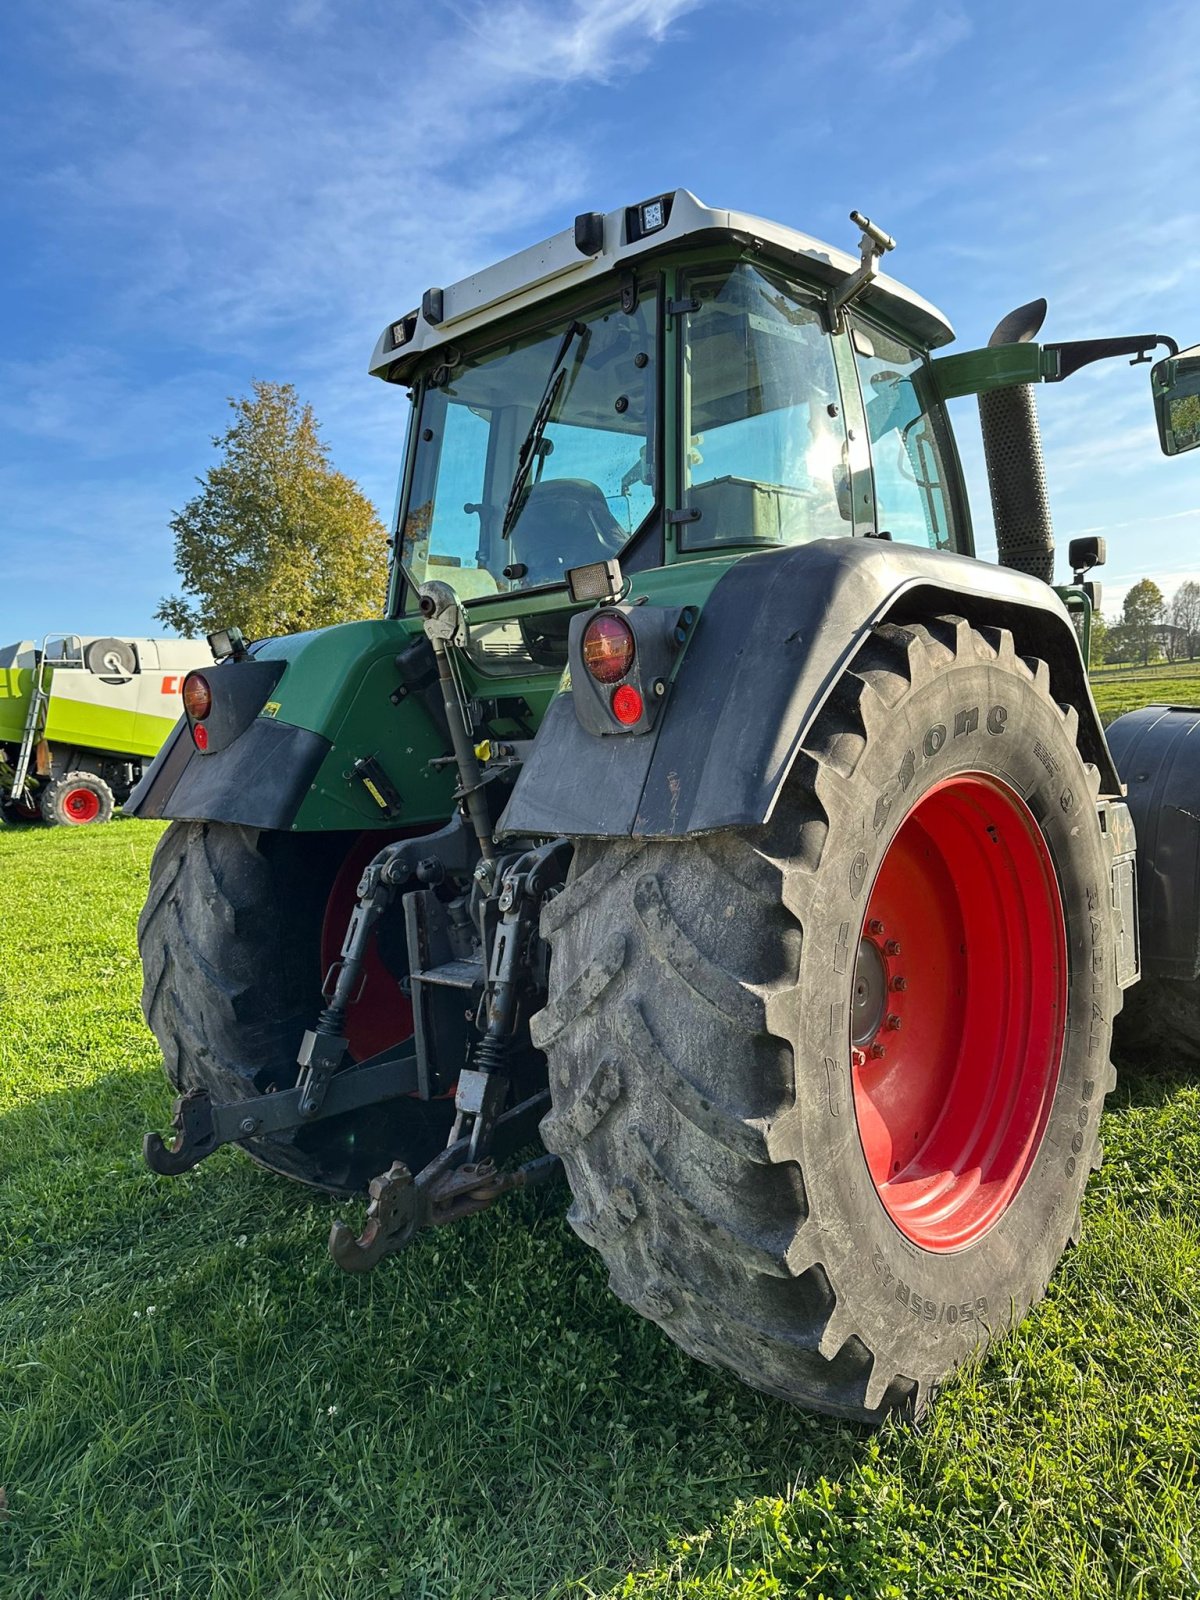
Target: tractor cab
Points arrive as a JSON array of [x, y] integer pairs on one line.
[[679, 384]]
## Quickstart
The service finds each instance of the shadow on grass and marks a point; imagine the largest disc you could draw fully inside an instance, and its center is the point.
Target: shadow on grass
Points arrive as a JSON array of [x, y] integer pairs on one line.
[[186, 1351]]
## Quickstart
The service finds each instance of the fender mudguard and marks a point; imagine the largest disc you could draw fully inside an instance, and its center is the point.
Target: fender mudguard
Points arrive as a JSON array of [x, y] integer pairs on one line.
[[1157, 751], [773, 637], [257, 780]]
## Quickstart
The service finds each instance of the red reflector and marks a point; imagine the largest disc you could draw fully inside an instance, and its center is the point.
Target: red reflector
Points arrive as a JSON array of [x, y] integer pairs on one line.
[[197, 696], [627, 704], [200, 736], [608, 647]]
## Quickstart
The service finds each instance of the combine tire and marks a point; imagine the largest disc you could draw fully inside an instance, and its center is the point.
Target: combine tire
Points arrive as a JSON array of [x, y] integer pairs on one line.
[[828, 1091], [76, 799], [238, 930]]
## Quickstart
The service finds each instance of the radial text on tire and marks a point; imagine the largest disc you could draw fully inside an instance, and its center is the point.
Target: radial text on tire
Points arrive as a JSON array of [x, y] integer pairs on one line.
[[828, 1091]]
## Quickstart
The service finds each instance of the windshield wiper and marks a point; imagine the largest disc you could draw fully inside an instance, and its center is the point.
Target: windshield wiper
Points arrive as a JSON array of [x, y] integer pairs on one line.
[[529, 445]]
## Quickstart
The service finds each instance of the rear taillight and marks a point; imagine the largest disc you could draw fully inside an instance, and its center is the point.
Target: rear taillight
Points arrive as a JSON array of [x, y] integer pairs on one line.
[[197, 696], [627, 704], [608, 647]]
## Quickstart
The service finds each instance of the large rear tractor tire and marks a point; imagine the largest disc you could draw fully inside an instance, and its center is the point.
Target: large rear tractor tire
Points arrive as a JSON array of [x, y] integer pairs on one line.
[[77, 799], [238, 930], [1161, 1019], [828, 1091]]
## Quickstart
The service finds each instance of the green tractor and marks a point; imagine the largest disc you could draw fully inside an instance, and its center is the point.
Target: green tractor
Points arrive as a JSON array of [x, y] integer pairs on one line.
[[702, 820]]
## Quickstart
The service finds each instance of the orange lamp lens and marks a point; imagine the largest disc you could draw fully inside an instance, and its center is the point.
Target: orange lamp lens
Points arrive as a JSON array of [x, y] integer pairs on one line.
[[608, 647], [197, 696]]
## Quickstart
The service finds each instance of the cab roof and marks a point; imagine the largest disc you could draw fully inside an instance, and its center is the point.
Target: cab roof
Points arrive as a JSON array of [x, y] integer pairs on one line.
[[600, 244]]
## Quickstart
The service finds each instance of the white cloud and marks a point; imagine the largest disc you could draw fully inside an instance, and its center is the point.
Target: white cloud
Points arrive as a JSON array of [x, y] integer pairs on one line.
[[524, 40]]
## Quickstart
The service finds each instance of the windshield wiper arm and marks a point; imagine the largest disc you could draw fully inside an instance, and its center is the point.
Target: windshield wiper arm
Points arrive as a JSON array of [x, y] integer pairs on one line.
[[531, 441]]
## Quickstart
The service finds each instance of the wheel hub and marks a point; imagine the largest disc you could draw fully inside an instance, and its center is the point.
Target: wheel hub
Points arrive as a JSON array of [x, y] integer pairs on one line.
[[869, 997]]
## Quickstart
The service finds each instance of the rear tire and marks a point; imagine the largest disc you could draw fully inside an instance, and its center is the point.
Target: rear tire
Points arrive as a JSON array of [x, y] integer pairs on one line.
[[1162, 1017], [698, 1033], [231, 946], [76, 800]]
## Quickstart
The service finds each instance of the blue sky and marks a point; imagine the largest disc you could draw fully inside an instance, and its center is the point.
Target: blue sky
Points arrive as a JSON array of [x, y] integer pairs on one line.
[[198, 195]]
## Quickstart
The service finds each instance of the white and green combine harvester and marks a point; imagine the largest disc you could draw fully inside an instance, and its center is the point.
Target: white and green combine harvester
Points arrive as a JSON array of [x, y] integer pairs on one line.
[[79, 719]]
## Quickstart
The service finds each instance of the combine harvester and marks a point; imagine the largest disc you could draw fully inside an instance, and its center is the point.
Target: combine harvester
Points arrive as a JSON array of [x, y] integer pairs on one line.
[[701, 805], [80, 717]]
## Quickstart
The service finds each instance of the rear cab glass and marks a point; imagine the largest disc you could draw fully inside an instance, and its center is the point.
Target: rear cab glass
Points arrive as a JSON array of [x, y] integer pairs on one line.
[[913, 459]]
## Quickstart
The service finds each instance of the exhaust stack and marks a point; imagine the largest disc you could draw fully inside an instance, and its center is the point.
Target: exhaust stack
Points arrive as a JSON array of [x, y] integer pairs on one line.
[[1012, 448]]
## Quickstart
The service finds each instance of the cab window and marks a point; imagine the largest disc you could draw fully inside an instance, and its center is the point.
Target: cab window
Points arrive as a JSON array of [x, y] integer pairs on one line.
[[911, 454], [766, 451]]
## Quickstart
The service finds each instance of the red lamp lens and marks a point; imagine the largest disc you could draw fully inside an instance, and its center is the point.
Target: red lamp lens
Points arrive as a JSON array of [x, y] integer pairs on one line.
[[608, 647], [197, 696], [627, 704], [200, 736]]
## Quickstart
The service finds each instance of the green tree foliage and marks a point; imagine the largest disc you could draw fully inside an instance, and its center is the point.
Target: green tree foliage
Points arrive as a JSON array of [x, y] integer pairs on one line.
[[1142, 616], [1185, 615], [1099, 640], [277, 540], [1185, 419]]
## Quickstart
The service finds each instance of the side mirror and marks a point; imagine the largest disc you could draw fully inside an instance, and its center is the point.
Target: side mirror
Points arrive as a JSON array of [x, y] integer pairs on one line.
[[1175, 385]]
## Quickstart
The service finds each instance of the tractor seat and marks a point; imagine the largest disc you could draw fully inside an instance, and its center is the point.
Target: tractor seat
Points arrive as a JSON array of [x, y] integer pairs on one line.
[[564, 523]]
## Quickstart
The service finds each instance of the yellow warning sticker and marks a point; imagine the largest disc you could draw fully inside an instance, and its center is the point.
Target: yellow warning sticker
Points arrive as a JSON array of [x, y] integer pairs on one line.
[[271, 709]]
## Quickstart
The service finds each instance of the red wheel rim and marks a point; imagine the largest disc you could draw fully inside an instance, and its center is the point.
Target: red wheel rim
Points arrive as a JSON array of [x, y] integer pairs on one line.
[[382, 1016], [958, 1011], [81, 805]]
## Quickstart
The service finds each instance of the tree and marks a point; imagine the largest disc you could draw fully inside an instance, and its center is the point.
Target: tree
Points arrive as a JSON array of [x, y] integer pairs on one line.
[[276, 541], [1099, 639], [1143, 613], [1185, 614]]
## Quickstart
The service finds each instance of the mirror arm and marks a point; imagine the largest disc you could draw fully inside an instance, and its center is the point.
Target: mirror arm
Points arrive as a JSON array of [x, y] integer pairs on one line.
[[1068, 358]]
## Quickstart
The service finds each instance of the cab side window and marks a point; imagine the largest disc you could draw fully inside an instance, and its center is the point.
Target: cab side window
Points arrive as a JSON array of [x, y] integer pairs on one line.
[[912, 458], [767, 455]]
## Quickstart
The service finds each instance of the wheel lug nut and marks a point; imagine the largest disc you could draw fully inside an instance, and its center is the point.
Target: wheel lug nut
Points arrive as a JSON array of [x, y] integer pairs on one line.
[[893, 1023], [900, 983], [875, 926], [878, 1052], [892, 947]]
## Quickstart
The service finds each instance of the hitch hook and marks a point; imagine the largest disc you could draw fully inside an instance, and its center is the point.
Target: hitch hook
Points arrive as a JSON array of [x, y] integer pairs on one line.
[[195, 1136]]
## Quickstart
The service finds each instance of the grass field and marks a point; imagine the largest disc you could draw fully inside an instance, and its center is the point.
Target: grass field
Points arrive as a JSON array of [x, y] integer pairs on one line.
[[194, 1402], [1120, 689]]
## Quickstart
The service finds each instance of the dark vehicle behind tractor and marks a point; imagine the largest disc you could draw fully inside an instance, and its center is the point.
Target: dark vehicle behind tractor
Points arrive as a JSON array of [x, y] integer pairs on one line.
[[703, 820]]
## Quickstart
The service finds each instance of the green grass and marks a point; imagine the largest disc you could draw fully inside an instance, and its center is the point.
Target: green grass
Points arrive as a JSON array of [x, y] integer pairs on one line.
[[194, 1402], [1121, 689]]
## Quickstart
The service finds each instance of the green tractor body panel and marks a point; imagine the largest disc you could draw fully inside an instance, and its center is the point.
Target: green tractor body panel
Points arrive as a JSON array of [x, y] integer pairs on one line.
[[336, 688]]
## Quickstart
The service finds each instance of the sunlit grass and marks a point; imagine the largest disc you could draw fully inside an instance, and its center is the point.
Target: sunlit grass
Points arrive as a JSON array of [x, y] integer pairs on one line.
[[1121, 689], [194, 1402]]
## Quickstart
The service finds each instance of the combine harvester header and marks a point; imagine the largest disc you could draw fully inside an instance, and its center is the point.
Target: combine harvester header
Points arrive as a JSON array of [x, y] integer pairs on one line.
[[80, 717]]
